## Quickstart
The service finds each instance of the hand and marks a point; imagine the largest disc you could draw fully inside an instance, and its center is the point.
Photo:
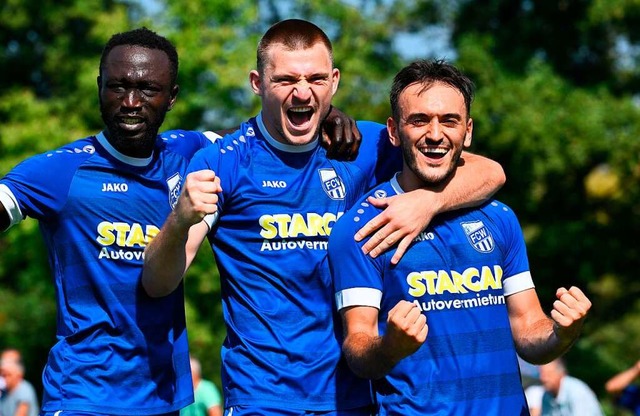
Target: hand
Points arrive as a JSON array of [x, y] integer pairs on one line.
[[569, 311], [199, 197], [340, 135], [403, 218], [407, 329]]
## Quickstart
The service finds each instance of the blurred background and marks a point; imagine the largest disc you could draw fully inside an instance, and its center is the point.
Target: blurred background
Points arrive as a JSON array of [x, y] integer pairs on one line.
[[558, 90]]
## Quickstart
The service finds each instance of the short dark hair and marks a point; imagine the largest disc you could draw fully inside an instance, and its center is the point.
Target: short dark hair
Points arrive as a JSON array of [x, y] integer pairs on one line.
[[147, 39], [428, 72], [293, 34]]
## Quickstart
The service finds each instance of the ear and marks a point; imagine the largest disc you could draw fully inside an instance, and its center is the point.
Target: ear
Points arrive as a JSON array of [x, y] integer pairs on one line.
[[469, 133], [256, 83], [336, 80], [174, 96], [99, 82], [392, 129]]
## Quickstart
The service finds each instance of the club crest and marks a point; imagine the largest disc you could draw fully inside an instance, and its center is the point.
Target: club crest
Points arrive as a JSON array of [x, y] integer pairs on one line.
[[174, 184], [332, 184], [478, 236]]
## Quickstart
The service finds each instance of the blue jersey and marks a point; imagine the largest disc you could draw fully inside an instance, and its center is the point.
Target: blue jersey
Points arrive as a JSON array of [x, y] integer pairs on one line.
[[276, 210], [458, 271], [118, 351]]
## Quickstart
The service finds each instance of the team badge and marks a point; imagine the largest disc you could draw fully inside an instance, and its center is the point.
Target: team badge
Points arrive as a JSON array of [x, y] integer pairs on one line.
[[174, 183], [332, 184], [479, 236]]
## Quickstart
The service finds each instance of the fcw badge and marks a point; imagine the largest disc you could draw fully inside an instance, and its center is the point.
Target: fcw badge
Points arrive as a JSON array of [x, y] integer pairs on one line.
[[332, 184], [479, 236], [174, 183]]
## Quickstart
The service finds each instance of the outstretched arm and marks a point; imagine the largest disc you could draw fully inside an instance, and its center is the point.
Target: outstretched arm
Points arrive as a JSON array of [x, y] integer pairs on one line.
[[539, 338], [621, 381], [171, 252], [476, 179], [372, 356]]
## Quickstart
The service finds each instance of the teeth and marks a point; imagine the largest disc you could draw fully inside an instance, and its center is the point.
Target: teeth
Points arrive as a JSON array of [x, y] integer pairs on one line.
[[129, 120], [300, 109], [438, 151]]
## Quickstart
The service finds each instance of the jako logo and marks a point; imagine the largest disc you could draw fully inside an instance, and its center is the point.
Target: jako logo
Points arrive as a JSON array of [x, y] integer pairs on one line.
[[274, 184], [115, 187]]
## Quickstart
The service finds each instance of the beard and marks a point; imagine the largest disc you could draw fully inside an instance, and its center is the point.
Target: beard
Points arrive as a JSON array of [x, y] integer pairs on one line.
[[430, 177], [140, 146]]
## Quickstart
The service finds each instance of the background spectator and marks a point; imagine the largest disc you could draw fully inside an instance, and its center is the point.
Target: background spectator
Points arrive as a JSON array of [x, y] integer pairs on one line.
[[565, 395], [19, 398], [207, 397], [624, 391]]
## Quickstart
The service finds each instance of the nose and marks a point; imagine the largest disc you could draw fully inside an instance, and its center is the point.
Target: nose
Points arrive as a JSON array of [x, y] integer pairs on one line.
[[434, 130], [302, 90], [132, 98]]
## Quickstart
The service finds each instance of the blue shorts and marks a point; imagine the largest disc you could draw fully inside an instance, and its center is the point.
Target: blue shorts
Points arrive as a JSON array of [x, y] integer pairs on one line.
[[270, 411]]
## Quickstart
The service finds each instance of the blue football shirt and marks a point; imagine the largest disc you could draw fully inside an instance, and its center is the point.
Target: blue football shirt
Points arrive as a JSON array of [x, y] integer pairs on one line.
[[118, 351], [458, 271], [276, 211]]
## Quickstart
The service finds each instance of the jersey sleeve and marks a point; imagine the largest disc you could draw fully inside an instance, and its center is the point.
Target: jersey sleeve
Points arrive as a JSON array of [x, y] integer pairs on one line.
[[38, 187], [357, 278], [516, 271]]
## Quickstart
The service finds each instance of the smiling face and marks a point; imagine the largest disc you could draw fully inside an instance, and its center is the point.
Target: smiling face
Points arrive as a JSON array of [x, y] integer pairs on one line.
[[296, 89], [135, 92], [432, 129]]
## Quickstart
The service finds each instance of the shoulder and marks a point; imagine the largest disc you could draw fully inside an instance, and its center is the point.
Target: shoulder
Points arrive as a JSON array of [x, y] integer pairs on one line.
[[224, 150], [64, 158], [360, 213], [186, 142]]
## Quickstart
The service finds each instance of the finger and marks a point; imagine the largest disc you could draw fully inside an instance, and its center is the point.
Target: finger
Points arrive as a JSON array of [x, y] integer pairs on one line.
[[422, 336], [579, 295], [380, 203], [560, 320], [384, 241], [560, 291], [400, 309], [402, 248], [356, 142], [371, 225]]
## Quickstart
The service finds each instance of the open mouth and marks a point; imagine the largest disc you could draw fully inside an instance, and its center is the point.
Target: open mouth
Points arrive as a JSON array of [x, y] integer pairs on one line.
[[131, 123], [434, 152], [299, 116]]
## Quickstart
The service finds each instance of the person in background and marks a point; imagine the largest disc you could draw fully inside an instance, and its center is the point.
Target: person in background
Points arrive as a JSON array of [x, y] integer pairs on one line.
[[534, 393], [565, 395], [275, 197], [207, 400], [19, 398], [625, 390], [440, 331]]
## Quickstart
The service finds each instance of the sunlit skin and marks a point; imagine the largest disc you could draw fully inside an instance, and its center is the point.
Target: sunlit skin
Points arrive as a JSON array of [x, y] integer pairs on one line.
[[135, 94], [296, 91], [433, 129]]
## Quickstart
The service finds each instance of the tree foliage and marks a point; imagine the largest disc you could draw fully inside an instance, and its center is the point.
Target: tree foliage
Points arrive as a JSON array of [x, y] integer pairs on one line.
[[556, 104]]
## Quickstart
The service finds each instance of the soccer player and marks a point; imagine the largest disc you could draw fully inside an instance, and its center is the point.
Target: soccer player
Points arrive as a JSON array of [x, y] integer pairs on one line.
[[99, 201], [273, 209], [439, 331]]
